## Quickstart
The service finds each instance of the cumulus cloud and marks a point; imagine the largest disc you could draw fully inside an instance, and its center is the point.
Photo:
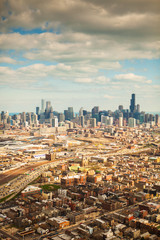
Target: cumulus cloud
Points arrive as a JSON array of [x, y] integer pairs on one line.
[[5, 59], [132, 77], [79, 42], [95, 17]]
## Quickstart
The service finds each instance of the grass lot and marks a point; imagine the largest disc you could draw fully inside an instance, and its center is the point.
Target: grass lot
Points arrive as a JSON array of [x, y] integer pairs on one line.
[[50, 187]]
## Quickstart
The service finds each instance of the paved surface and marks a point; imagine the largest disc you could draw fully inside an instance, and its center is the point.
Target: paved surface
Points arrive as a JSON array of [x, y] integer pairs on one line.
[[9, 175]]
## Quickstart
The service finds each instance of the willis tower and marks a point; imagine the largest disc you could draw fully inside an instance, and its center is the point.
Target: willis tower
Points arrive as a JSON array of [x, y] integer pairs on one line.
[[133, 105]]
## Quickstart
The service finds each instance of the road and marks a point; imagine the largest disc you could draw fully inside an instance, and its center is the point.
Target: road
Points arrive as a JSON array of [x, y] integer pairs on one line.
[[8, 235], [8, 176], [19, 183]]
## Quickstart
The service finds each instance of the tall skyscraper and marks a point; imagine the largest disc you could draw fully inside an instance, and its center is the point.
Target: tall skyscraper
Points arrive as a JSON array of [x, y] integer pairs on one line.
[[37, 111], [42, 105], [132, 105], [82, 121], [70, 113], [138, 108], [81, 112], [48, 106]]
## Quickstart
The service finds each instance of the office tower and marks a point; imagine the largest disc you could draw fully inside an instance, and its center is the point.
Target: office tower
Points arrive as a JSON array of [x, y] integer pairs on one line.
[[141, 118], [95, 110], [157, 119], [70, 113], [120, 108], [138, 108], [132, 105], [66, 114], [37, 110], [95, 113], [61, 117], [23, 117], [146, 118], [102, 119], [131, 122], [9, 119], [55, 122], [93, 122], [84, 112], [42, 106], [48, 106], [82, 121], [81, 112], [105, 120], [29, 118], [120, 122], [2, 115], [151, 117], [110, 121]]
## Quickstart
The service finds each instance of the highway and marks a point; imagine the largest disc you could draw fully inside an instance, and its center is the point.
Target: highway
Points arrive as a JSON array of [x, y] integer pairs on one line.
[[19, 183]]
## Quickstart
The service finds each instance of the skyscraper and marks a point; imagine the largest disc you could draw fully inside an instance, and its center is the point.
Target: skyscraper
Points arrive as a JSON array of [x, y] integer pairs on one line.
[[120, 108], [42, 105], [132, 105], [132, 122], [55, 122], [82, 121], [48, 106], [70, 113], [37, 111]]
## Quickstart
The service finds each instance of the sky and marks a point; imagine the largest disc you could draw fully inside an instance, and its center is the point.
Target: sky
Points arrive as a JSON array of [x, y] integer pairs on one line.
[[79, 53]]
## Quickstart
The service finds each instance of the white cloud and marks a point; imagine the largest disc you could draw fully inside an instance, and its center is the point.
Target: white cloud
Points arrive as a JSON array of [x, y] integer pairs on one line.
[[108, 96], [132, 77], [5, 59], [83, 80]]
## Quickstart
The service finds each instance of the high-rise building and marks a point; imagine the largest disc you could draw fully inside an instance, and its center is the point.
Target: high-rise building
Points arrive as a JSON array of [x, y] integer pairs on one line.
[[120, 123], [110, 121], [138, 108], [48, 106], [42, 106], [131, 122], [146, 118], [82, 121], [120, 108], [157, 119], [61, 117], [23, 117], [95, 113], [81, 112], [132, 105], [55, 122], [66, 114], [70, 113], [93, 122], [37, 110]]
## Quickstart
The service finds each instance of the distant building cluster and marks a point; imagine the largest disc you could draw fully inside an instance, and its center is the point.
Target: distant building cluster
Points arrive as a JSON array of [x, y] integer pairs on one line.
[[47, 116]]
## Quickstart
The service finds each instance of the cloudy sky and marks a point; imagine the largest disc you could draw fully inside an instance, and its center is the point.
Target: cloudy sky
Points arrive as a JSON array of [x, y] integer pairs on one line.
[[79, 53]]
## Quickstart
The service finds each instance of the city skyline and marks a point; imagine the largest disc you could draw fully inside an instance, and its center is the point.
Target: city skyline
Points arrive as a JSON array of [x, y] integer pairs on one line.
[[79, 53]]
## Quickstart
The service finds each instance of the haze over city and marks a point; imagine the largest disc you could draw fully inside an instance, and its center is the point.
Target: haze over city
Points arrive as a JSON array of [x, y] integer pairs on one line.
[[79, 53]]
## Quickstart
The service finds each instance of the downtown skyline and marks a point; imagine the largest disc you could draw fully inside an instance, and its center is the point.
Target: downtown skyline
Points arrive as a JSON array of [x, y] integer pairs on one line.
[[79, 53]]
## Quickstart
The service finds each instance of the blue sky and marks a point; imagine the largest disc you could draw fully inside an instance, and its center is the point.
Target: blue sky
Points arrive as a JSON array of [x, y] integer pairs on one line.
[[79, 53]]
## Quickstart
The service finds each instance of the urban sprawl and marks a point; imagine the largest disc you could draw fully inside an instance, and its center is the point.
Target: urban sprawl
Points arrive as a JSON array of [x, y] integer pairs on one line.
[[91, 175]]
